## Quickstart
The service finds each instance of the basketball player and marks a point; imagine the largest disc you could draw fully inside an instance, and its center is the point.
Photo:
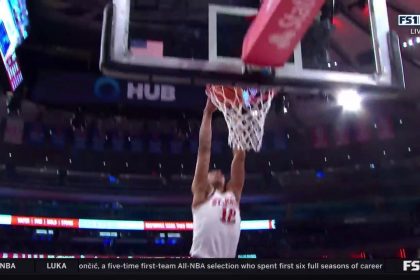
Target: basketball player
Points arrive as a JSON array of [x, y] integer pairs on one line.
[[215, 206]]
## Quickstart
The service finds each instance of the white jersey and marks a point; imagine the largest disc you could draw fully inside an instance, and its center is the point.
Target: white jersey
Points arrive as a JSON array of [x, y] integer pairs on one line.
[[216, 227]]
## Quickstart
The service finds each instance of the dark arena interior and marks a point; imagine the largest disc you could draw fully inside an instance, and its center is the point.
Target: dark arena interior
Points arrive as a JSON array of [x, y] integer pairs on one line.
[[98, 166]]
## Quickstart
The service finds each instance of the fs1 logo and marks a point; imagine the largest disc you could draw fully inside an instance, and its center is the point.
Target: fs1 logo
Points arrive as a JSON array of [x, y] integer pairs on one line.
[[411, 265], [409, 20], [164, 93]]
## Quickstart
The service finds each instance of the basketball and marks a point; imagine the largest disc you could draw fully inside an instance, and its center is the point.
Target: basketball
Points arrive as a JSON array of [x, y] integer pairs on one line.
[[226, 95]]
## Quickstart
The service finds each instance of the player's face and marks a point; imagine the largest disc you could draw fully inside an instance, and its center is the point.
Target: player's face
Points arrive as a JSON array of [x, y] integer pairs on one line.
[[216, 179]]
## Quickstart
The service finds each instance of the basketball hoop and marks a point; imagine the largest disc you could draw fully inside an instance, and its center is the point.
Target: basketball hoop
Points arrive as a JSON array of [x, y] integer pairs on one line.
[[244, 110]]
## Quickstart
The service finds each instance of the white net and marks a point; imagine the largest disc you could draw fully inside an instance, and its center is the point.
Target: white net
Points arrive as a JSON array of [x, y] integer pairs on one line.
[[244, 111]]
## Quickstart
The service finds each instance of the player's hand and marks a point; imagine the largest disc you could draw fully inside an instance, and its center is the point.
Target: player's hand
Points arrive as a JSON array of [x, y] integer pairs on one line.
[[239, 153], [210, 108]]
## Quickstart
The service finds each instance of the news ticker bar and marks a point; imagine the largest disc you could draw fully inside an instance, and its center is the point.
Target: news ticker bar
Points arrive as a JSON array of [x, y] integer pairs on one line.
[[52, 222], [211, 266]]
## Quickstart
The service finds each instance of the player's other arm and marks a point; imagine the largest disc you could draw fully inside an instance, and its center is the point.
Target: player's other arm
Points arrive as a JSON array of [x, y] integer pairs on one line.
[[237, 174], [200, 186]]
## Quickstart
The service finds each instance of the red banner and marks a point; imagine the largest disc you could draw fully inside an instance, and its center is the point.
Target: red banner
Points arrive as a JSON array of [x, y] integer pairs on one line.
[[13, 132], [363, 131], [342, 135], [45, 222], [385, 128], [320, 137], [277, 29]]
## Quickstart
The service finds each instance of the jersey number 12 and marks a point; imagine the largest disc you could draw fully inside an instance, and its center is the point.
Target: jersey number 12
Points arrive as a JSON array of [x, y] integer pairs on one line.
[[228, 216]]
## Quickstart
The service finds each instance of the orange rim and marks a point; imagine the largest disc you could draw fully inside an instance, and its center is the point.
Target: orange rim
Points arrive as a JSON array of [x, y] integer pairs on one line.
[[264, 94]]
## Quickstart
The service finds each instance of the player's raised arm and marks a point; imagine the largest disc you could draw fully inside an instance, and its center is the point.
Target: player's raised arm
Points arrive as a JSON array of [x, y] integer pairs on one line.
[[200, 184], [237, 174]]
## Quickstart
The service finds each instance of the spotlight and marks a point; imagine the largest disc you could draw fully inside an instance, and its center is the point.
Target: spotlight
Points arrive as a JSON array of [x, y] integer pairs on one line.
[[410, 42], [320, 174], [350, 100], [405, 45], [112, 180], [418, 40]]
